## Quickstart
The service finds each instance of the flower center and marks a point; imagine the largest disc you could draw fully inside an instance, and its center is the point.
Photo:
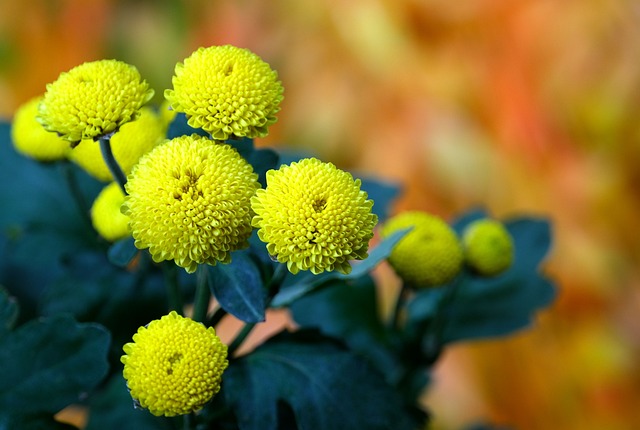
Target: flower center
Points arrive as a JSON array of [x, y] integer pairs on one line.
[[319, 204], [173, 360]]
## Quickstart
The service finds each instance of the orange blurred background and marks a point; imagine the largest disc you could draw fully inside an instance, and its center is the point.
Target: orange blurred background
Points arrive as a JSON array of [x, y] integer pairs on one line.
[[522, 107]]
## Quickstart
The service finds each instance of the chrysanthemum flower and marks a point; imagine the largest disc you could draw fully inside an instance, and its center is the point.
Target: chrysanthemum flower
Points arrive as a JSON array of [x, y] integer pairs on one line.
[[93, 99], [488, 247], [189, 201], [174, 365], [128, 144], [106, 216], [428, 255], [226, 91], [313, 216], [31, 139]]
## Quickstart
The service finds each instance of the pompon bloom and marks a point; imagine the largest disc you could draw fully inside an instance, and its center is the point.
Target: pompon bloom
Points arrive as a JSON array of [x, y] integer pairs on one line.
[[31, 139], [226, 91], [106, 217], [93, 99], [488, 247], [428, 255], [189, 201], [174, 365], [134, 139], [313, 216]]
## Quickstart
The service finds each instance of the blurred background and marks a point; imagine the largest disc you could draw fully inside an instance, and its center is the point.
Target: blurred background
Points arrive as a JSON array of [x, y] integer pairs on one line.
[[520, 107]]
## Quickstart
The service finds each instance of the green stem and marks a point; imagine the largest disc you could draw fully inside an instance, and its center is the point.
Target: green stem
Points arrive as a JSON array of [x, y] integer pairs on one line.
[[400, 302], [110, 161], [216, 317], [174, 297], [188, 421], [235, 344], [440, 320], [76, 193], [203, 294]]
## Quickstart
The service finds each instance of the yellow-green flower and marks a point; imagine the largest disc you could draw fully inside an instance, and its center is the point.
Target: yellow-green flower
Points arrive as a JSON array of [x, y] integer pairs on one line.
[[226, 91], [93, 99], [488, 247], [106, 216], [428, 255], [189, 201], [313, 216], [174, 365], [128, 144], [31, 139]]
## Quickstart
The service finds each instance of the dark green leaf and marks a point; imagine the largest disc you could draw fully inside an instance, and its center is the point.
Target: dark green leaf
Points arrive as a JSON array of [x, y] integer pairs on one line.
[[180, 127], [263, 160], [322, 385], [11, 421], [238, 288], [349, 311], [50, 363], [122, 252], [383, 194], [112, 408], [8, 312], [297, 286], [484, 307]]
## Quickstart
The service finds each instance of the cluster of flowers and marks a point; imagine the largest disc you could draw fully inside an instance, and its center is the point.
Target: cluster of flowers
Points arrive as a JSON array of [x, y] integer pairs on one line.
[[194, 199]]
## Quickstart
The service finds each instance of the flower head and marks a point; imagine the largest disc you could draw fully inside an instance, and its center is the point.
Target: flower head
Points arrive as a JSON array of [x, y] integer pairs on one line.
[[106, 217], [128, 144], [174, 365], [93, 99], [429, 254], [189, 201], [31, 139], [488, 247], [313, 216], [226, 91]]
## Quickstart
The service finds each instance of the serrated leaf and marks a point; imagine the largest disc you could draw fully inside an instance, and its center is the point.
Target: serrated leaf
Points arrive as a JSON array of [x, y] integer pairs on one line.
[[238, 288], [122, 252], [8, 312], [322, 385], [112, 408], [349, 311], [484, 307], [50, 363], [297, 286]]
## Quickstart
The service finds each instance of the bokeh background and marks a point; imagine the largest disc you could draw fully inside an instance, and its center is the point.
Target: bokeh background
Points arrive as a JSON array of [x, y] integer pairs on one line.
[[526, 106]]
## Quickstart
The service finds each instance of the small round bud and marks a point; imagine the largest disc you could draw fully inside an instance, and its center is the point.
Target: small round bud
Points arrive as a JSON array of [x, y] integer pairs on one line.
[[428, 255], [488, 247]]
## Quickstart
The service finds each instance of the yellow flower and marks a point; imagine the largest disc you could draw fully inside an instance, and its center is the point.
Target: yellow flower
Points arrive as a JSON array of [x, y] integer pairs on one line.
[[313, 216], [429, 255], [174, 365], [107, 219], [31, 139], [189, 201], [488, 247], [128, 144], [93, 99], [226, 91]]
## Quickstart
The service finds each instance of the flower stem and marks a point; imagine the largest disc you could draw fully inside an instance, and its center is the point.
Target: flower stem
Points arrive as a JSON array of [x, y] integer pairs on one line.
[[110, 161], [400, 302], [76, 193], [235, 344], [173, 287], [440, 320], [203, 294]]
